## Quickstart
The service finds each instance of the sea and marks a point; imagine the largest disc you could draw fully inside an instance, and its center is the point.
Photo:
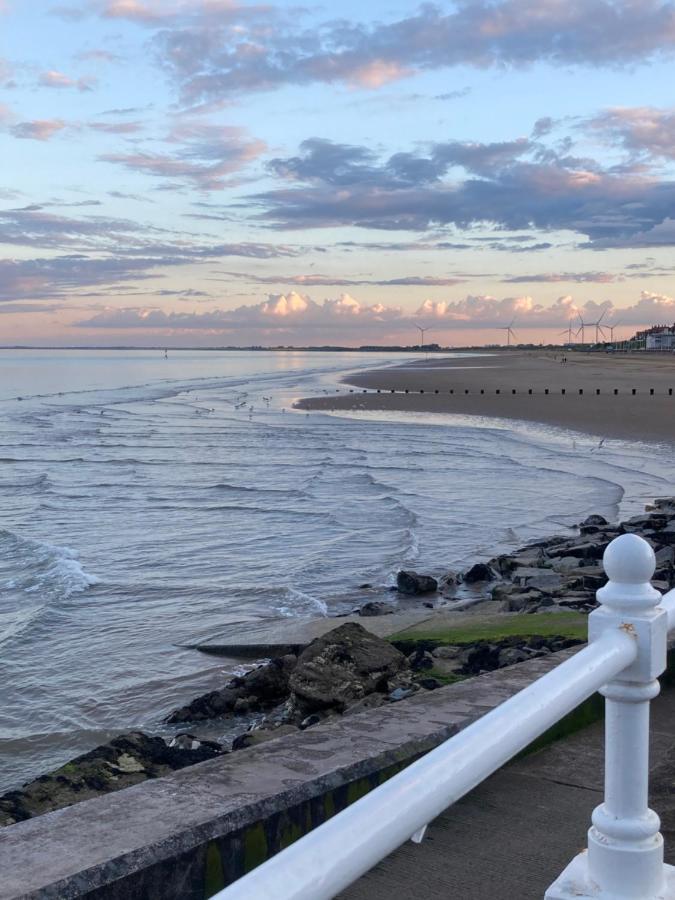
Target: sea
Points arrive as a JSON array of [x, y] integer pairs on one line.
[[147, 502]]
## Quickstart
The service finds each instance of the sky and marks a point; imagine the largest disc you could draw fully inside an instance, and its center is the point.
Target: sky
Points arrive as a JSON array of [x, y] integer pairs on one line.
[[210, 172]]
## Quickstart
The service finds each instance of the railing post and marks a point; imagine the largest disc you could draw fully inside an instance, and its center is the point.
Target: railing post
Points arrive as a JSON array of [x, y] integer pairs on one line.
[[624, 860]]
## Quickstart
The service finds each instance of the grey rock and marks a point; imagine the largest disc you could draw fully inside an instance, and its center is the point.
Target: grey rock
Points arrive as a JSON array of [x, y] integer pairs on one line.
[[341, 667], [429, 683], [445, 652], [479, 572], [400, 694], [376, 608], [126, 760], [260, 689], [412, 583], [449, 582], [509, 656], [420, 660]]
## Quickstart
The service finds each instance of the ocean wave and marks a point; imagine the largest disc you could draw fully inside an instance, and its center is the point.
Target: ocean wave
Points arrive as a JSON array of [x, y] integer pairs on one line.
[[31, 566], [298, 603]]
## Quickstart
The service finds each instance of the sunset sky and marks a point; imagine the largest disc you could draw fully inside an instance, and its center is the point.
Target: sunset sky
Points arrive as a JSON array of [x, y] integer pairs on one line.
[[208, 172]]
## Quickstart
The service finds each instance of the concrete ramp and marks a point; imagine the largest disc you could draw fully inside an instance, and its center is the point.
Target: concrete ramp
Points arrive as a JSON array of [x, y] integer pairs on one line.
[[275, 637]]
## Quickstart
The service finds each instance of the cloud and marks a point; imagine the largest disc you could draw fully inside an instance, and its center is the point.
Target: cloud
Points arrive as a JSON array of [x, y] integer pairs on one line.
[[59, 277], [512, 186], [53, 79], [643, 131], [316, 279], [553, 278], [36, 226], [38, 129], [210, 59], [295, 316], [206, 154], [116, 127]]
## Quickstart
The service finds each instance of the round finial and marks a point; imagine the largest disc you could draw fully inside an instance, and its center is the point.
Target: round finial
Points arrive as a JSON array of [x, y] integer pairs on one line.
[[629, 559]]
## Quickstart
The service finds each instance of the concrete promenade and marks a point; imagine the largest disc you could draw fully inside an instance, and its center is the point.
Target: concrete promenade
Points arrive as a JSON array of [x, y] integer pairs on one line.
[[513, 835]]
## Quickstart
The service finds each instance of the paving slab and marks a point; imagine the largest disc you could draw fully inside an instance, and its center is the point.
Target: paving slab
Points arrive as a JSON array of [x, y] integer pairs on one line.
[[512, 836]]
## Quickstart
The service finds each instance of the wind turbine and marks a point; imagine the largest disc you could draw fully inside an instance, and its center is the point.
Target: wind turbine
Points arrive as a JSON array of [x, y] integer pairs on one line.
[[509, 332], [599, 330], [568, 332], [422, 331], [611, 328], [581, 328]]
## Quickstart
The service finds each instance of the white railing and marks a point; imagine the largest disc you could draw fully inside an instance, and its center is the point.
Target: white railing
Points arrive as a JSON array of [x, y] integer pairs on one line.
[[624, 861]]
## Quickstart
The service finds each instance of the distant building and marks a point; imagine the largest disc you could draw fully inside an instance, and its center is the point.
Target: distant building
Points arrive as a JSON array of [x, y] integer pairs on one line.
[[660, 337]]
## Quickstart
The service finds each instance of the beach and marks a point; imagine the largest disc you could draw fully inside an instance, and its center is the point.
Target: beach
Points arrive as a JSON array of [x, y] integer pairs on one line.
[[642, 416]]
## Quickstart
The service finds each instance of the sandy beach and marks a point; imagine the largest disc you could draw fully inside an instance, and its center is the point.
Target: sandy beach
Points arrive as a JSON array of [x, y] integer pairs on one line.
[[546, 391]]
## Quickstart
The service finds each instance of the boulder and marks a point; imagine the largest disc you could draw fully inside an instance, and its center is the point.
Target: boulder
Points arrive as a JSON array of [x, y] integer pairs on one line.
[[258, 690], [649, 522], [376, 608], [412, 583], [429, 683], [509, 656], [419, 660], [342, 667], [448, 583], [126, 760], [592, 524], [479, 572]]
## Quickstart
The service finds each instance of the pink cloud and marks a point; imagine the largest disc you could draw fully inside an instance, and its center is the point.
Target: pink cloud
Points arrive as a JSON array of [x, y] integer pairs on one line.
[[377, 73], [53, 79], [38, 129]]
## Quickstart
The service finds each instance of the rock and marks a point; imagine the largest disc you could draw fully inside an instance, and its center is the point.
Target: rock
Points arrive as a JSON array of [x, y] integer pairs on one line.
[[314, 719], [479, 572], [376, 608], [509, 656], [664, 556], [480, 657], [588, 549], [445, 652], [541, 579], [667, 535], [126, 760], [420, 660], [259, 689], [449, 582], [429, 684], [341, 667], [365, 587], [564, 564], [185, 741], [502, 564], [400, 694], [412, 583], [516, 599], [261, 736], [592, 524], [649, 522]]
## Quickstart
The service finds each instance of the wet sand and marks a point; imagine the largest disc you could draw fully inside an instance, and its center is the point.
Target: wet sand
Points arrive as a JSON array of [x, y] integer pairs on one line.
[[639, 416]]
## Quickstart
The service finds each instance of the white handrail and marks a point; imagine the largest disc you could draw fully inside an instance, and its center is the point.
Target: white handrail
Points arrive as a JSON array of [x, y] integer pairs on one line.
[[627, 638], [335, 854]]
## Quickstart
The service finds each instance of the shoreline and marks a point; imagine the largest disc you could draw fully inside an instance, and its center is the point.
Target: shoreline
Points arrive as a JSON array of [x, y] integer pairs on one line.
[[453, 385]]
